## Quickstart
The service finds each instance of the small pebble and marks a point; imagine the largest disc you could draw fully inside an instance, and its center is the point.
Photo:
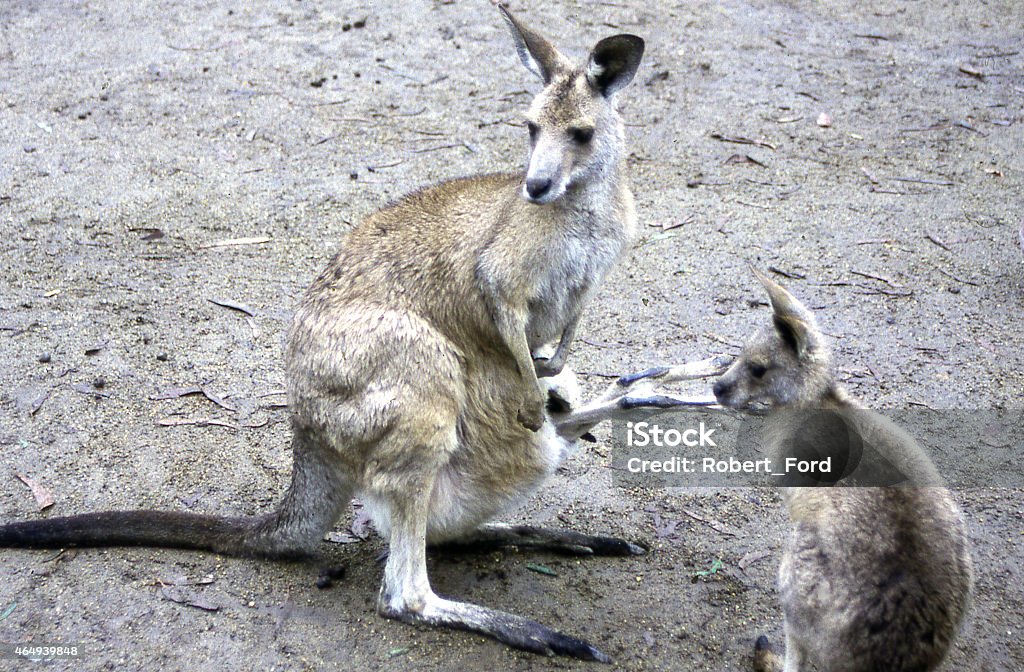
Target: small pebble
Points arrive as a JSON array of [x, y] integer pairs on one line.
[[44, 358], [162, 357], [99, 383]]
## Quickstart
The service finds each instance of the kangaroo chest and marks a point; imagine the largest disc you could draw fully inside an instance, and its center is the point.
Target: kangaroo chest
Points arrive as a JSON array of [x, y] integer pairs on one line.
[[565, 275]]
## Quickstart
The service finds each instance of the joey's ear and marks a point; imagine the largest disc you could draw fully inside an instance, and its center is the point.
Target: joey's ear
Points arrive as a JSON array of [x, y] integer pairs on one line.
[[800, 337], [783, 303], [613, 62], [538, 55], [794, 323]]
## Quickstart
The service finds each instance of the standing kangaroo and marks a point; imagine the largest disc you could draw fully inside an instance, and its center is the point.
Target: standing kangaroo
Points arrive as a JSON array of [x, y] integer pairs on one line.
[[872, 578], [411, 379]]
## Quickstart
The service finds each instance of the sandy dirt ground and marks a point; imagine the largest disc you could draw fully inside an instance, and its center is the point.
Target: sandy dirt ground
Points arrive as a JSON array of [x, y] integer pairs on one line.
[[138, 136]]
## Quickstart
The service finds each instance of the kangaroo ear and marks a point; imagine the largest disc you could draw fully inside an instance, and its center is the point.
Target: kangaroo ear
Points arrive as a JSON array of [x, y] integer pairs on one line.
[[793, 321], [538, 55], [613, 62], [784, 304], [800, 337]]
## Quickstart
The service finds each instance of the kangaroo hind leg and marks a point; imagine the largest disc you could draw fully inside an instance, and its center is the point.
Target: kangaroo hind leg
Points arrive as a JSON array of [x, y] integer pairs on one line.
[[500, 535], [406, 595]]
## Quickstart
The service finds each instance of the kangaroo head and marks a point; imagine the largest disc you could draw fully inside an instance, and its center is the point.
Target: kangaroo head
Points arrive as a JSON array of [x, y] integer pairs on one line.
[[575, 130], [787, 363]]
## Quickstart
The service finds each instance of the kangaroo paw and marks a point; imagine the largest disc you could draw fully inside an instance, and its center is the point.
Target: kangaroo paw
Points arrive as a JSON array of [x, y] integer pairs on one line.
[[765, 657], [497, 535], [515, 631]]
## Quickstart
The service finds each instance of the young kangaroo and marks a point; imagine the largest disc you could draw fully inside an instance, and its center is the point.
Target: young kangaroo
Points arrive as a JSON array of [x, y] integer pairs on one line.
[[872, 578], [411, 381]]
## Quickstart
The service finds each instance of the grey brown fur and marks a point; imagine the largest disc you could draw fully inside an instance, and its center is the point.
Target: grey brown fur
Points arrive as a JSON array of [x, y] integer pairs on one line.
[[871, 578], [411, 376]]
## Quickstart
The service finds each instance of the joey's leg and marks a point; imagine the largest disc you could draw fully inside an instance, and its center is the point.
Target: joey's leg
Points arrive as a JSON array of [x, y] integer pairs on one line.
[[497, 535], [406, 594], [637, 393], [512, 328], [553, 365], [765, 657], [704, 368]]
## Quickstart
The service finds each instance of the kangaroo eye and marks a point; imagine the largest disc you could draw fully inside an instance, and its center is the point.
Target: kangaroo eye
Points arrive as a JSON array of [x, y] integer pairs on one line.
[[533, 129], [757, 370], [581, 136]]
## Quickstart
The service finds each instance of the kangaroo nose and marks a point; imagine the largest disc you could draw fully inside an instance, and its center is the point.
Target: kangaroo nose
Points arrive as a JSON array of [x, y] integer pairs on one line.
[[719, 388], [536, 187]]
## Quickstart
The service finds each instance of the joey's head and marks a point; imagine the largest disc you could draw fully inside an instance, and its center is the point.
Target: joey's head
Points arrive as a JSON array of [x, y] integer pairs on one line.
[[576, 134], [786, 364]]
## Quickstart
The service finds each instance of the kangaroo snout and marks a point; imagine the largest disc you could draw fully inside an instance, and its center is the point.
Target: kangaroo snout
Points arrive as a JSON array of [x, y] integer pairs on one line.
[[537, 188], [720, 389]]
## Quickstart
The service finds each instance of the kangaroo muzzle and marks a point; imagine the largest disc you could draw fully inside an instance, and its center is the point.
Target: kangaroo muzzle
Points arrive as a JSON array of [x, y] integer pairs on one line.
[[545, 181]]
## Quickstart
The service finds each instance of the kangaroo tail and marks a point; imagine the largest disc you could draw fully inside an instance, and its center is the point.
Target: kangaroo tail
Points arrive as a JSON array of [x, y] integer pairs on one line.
[[315, 499], [168, 529]]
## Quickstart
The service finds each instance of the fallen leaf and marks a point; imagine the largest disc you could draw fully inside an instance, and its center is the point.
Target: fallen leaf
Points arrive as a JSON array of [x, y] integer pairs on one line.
[[178, 596], [44, 498], [792, 275], [341, 538], [968, 70], [234, 305], [741, 140], [713, 524], [752, 557], [236, 241], [148, 233], [871, 178], [668, 226], [38, 402], [743, 158], [218, 400], [176, 392], [198, 422], [185, 581], [938, 241], [541, 569], [659, 236]]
